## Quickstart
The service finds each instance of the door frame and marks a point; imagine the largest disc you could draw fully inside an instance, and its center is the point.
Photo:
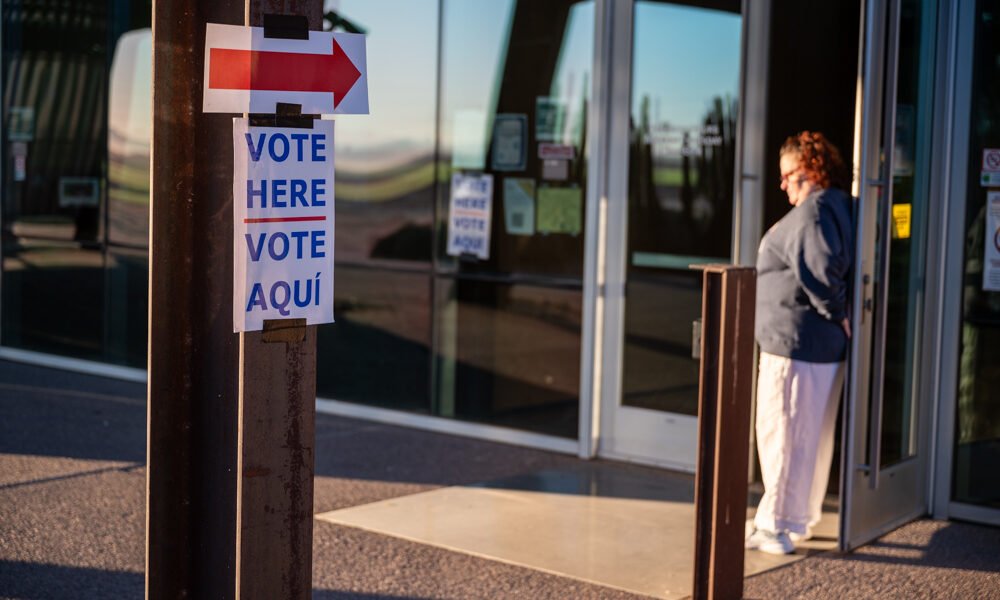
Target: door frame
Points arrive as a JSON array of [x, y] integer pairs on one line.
[[957, 46], [676, 449], [876, 500], [653, 437]]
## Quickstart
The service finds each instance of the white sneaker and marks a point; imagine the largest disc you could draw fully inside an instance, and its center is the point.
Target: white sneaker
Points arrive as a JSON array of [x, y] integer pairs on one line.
[[801, 537], [771, 542]]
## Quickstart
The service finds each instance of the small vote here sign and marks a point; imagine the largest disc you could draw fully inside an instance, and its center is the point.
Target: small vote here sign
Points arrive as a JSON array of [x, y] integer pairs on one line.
[[283, 224]]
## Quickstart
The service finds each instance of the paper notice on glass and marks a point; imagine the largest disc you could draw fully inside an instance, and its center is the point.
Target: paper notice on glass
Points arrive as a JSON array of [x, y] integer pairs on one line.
[[991, 262], [510, 143], [559, 210], [901, 218], [550, 118], [519, 205], [469, 215], [991, 167]]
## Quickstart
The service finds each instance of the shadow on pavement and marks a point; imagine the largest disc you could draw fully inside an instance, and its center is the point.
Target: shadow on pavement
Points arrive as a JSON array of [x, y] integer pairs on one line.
[[41, 581], [953, 546]]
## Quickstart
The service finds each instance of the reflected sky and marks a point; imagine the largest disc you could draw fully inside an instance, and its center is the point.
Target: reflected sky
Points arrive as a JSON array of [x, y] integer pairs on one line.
[[131, 93], [400, 62], [682, 54], [402, 53]]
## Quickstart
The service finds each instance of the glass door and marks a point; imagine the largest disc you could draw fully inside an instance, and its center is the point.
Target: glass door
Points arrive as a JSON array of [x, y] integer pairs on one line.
[[671, 176], [968, 487], [886, 454]]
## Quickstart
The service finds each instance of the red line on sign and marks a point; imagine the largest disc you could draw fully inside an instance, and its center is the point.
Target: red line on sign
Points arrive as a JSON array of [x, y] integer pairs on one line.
[[283, 219], [233, 69]]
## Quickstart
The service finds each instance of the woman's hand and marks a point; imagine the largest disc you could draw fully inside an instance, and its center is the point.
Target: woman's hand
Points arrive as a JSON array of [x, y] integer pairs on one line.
[[847, 327]]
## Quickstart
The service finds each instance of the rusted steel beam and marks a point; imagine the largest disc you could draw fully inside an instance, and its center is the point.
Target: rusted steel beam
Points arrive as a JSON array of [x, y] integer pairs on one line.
[[726, 380], [230, 440], [277, 429], [193, 353]]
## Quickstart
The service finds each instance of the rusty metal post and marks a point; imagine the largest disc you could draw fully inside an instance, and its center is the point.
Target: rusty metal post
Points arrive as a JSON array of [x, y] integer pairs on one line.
[[277, 429], [726, 380], [230, 418], [193, 353]]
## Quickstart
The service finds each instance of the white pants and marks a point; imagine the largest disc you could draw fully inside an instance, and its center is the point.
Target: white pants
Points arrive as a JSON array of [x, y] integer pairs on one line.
[[796, 417]]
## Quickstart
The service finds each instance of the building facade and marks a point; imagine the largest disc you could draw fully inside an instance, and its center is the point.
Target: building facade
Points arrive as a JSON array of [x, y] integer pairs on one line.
[[627, 140]]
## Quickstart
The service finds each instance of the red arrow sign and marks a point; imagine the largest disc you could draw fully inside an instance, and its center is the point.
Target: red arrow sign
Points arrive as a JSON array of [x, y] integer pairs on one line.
[[231, 69]]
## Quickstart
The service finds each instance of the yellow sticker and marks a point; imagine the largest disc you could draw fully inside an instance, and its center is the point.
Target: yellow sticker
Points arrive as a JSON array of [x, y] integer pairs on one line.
[[901, 220]]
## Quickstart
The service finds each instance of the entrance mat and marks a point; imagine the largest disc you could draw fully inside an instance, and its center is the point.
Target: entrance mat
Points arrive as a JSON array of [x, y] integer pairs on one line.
[[604, 524]]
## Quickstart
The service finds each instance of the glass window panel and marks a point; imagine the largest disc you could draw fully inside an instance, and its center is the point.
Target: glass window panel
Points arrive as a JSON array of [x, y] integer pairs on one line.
[[129, 135], [385, 160], [378, 351], [510, 355], [977, 435], [516, 74], [685, 81], [55, 82], [659, 372], [908, 214], [127, 289], [130, 124]]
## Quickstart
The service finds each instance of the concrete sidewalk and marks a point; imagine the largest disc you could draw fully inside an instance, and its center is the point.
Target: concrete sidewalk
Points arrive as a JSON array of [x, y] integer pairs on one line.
[[72, 479]]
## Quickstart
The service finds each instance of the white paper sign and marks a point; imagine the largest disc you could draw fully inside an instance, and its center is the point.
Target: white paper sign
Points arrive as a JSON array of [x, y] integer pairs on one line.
[[469, 215], [282, 224], [247, 72], [991, 262]]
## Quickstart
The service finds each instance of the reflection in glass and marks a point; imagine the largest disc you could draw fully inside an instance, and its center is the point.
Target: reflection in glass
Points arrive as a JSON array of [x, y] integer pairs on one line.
[[385, 160], [685, 82], [129, 134], [907, 227], [515, 75], [659, 372], [378, 351], [977, 429], [53, 260], [510, 355], [506, 63]]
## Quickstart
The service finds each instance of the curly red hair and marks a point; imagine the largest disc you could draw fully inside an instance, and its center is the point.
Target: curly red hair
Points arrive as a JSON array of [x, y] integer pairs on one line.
[[819, 160]]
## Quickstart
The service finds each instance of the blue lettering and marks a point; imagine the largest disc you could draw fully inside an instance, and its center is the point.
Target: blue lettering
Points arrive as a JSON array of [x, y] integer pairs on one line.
[[276, 255], [469, 223], [252, 192], [318, 189], [304, 301], [318, 243], [255, 248], [282, 304], [299, 138], [256, 298], [317, 146], [255, 153], [468, 243], [270, 147], [298, 188], [298, 236], [277, 191]]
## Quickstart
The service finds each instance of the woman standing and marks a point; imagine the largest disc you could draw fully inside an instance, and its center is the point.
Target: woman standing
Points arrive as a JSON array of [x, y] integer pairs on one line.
[[802, 328]]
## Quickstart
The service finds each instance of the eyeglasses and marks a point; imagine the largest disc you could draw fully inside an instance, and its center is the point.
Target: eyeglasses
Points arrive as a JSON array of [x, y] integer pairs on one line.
[[785, 176]]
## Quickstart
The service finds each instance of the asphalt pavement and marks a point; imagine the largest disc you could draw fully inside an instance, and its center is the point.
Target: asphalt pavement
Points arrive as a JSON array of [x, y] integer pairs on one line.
[[72, 485]]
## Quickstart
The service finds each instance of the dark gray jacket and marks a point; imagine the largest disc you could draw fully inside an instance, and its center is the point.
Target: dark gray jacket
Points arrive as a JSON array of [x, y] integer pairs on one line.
[[803, 267]]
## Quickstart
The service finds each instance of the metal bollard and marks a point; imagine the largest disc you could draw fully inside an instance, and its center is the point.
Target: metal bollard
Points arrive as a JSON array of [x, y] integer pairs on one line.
[[726, 378]]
